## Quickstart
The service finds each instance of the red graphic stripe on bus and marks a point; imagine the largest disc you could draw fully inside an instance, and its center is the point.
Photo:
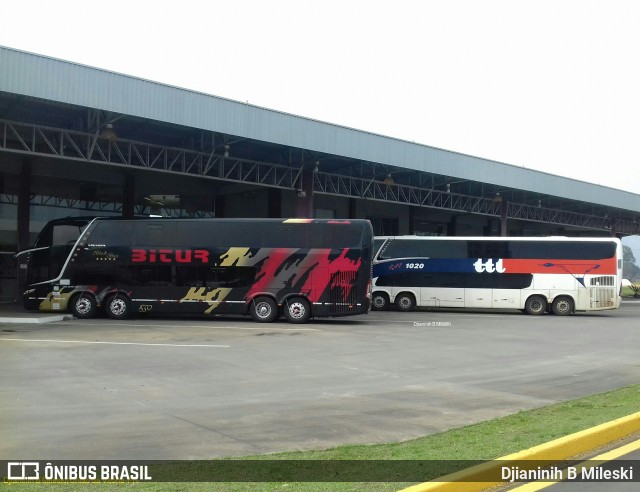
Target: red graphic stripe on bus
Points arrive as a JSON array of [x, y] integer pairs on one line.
[[576, 267], [266, 278], [316, 271], [324, 273]]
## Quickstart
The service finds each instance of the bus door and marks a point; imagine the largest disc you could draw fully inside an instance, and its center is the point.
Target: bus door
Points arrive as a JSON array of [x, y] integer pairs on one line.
[[429, 296], [152, 288]]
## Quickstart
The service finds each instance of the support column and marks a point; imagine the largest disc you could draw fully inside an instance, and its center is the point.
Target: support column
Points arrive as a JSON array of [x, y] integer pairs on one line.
[[503, 218], [452, 226], [23, 219], [24, 205], [612, 228], [353, 208], [274, 203], [304, 200], [219, 205], [487, 230], [412, 216], [129, 196]]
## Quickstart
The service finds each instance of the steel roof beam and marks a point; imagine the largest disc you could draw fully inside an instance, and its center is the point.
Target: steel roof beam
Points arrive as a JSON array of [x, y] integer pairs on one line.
[[332, 184], [78, 146], [65, 144]]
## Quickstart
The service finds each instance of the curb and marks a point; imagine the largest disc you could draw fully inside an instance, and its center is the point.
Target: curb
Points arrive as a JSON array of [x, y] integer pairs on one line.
[[478, 477], [43, 319]]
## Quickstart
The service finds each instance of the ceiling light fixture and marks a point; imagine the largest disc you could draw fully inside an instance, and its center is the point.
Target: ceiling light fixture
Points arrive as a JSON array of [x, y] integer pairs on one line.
[[108, 132]]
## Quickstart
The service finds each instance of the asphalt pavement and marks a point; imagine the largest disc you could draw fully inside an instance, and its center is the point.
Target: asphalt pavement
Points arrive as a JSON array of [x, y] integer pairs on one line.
[[178, 388]]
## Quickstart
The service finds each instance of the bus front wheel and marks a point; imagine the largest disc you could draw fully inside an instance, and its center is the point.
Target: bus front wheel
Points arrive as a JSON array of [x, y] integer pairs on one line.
[[535, 305], [118, 307], [264, 309], [379, 301], [562, 306], [83, 306], [297, 310], [405, 302]]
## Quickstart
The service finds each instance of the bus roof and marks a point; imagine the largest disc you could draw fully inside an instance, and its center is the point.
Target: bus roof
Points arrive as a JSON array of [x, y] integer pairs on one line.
[[502, 238]]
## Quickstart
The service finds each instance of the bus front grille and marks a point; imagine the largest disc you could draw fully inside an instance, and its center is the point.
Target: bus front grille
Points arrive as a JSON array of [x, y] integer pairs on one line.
[[602, 292]]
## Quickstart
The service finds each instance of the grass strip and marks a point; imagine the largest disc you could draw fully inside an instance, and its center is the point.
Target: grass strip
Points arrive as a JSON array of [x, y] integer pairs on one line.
[[482, 441], [629, 291]]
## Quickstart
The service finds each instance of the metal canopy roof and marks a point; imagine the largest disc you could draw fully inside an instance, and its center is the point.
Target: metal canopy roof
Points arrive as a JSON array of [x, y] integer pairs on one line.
[[171, 117]]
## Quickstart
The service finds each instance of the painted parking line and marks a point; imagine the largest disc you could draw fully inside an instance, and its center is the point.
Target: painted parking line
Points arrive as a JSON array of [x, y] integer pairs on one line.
[[224, 327], [608, 456], [436, 317], [115, 343]]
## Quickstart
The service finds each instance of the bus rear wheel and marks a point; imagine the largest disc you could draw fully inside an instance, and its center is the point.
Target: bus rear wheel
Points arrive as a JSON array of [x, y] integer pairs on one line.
[[379, 301], [535, 305], [562, 306], [263, 309], [297, 310], [118, 307], [83, 306], [405, 302]]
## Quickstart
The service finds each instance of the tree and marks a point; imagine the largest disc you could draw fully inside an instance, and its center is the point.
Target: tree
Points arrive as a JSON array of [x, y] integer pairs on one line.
[[630, 270]]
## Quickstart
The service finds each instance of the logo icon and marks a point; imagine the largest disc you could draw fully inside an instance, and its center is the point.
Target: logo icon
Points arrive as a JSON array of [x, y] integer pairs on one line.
[[23, 470], [488, 266]]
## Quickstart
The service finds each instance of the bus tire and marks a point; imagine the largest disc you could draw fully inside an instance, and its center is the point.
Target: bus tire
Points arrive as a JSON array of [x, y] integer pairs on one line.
[[263, 309], [118, 306], [379, 301], [535, 305], [405, 302], [562, 306], [83, 305], [297, 310]]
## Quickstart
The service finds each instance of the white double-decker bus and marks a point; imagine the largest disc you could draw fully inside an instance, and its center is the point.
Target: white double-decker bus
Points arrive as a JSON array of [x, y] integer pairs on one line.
[[559, 275]]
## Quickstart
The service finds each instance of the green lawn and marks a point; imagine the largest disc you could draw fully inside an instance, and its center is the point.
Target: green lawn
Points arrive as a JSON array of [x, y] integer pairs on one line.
[[483, 441]]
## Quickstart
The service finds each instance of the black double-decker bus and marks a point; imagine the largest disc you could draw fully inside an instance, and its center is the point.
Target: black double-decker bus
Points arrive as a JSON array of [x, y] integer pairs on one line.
[[299, 268]]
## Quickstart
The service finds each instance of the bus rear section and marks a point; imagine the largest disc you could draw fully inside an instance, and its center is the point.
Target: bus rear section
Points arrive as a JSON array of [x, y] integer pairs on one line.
[[535, 275], [297, 268]]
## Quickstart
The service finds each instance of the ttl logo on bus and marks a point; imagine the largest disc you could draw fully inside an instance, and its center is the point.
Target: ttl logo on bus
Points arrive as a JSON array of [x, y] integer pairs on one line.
[[488, 266], [169, 255]]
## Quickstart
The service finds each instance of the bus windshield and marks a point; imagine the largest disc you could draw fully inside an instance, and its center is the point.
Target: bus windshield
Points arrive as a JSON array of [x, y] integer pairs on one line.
[[52, 247]]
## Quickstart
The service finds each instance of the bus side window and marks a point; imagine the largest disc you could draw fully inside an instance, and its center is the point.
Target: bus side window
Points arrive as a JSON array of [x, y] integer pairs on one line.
[[151, 275], [190, 276], [215, 277], [66, 234], [487, 249], [229, 277], [293, 235], [152, 233]]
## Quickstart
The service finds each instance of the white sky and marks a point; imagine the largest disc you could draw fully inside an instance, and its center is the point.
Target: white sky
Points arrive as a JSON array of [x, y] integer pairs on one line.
[[552, 85]]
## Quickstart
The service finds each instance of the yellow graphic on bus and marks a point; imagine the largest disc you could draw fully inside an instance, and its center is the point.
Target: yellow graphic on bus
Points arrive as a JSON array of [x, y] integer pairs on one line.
[[235, 256], [212, 297], [56, 301]]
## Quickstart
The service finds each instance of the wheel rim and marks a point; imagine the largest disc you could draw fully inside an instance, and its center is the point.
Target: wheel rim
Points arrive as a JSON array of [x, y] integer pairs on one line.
[[379, 302], [263, 309], [297, 310], [536, 305], [405, 303], [563, 306], [118, 307], [83, 305]]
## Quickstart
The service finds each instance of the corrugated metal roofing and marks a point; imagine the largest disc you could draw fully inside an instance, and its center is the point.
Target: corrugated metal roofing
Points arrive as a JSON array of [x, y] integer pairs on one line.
[[57, 80]]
